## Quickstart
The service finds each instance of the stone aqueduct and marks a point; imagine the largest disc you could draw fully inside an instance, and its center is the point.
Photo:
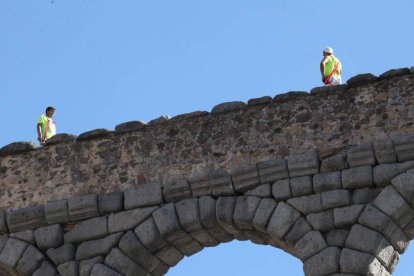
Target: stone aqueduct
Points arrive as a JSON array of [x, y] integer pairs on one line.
[[327, 176]]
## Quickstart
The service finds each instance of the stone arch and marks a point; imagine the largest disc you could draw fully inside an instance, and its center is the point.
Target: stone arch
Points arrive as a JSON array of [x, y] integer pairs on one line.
[[349, 213]]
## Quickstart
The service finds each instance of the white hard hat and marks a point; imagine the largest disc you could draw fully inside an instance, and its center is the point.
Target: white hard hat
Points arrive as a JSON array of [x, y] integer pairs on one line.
[[328, 50]]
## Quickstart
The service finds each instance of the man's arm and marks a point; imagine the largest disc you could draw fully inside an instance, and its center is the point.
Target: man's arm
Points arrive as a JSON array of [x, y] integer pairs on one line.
[[322, 67], [39, 132]]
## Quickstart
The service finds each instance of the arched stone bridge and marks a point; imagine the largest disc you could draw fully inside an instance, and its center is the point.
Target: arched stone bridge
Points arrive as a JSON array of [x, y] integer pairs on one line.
[[327, 176]]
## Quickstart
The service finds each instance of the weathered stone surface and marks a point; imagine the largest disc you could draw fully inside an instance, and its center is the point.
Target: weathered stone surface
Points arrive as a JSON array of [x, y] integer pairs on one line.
[[361, 79], [359, 177], [99, 247], [188, 214], [60, 138], [186, 116], [393, 204], [111, 203], [170, 255], [63, 254], [328, 89], [86, 266], [323, 221], [167, 222], [69, 269], [282, 219], [260, 191], [187, 245], [207, 208], [30, 260], [3, 225], [291, 95], [366, 240], [17, 147], [404, 147], [93, 134], [308, 204], [26, 218], [394, 73], [57, 211], [129, 126], [298, 230], [352, 261], [200, 185], [124, 265], [335, 198], [127, 220], [327, 181], [83, 207], [221, 183], [272, 170], [49, 236], [382, 174], [3, 240], [245, 210], [159, 120], [375, 219], [45, 269], [301, 186], [281, 189], [303, 164], [224, 213], [175, 189], [384, 151], [103, 270], [337, 237], [26, 235], [227, 107], [324, 263], [135, 250], [87, 230], [361, 155], [365, 195], [12, 251], [334, 163], [149, 235], [347, 216], [246, 178], [263, 213], [404, 183], [260, 101], [142, 195], [311, 244]]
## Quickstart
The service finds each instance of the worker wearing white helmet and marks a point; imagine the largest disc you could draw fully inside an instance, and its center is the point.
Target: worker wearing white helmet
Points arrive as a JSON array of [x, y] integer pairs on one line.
[[331, 68]]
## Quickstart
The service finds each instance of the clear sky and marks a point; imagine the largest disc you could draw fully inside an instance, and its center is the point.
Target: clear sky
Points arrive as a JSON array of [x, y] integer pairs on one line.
[[101, 63]]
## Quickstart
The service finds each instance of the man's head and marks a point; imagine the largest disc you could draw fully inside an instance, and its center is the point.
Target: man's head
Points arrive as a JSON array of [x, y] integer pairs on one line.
[[50, 110], [327, 51]]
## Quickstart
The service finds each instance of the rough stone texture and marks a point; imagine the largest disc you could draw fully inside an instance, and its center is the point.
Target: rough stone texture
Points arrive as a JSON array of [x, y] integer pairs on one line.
[[129, 126], [221, 183], [361, 155], [103, 270], [324, 263], [303, 164], [93, 134], [301, 186], [145, 194], [356, 262], [359, 177], [272, 170], [245, 210], [227, 107], [404, 147], [281, 189], [17, 147], [322, 221], [335, 198], [111, 203], [99, 247], [404, 184], [327, 181], [122, 264], [49, 236], [312, 243], [246, 179], [347, 216], [298, 230], [200, 185], [83, 207], [309, 204], [365, 195], [175, 189], [167, 222], [27, 236], [60, 138], [26, 218], [224, 212], [149, 235], [57, 212], [260, 191], [259, 101], [127, 220], [282, 219], [337, 237], [361, 79], [86, 266], [63, 254], [263, 213], [384, 151], [159, 120], [69, 269], [334, 163], [392, 73], [3, 225], [45, 269], [12, 251], [87, 230], [328, 89]]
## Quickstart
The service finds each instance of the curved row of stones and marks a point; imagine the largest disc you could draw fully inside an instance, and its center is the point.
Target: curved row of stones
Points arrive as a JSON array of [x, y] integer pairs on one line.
[[349, 213], [358, 80]]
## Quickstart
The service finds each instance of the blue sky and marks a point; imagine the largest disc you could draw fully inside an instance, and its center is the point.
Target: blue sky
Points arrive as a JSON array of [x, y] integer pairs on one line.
[[101, 63]]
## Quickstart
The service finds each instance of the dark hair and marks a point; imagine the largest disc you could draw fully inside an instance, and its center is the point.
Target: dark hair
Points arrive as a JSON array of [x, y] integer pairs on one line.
[[50, 108]]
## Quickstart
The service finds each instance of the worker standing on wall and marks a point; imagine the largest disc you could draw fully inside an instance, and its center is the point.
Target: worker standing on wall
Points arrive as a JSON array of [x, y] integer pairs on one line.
[[331, 68], [46, 127]]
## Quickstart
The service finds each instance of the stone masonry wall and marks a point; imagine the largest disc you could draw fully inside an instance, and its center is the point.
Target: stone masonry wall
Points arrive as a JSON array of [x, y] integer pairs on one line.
[[232, 134]]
